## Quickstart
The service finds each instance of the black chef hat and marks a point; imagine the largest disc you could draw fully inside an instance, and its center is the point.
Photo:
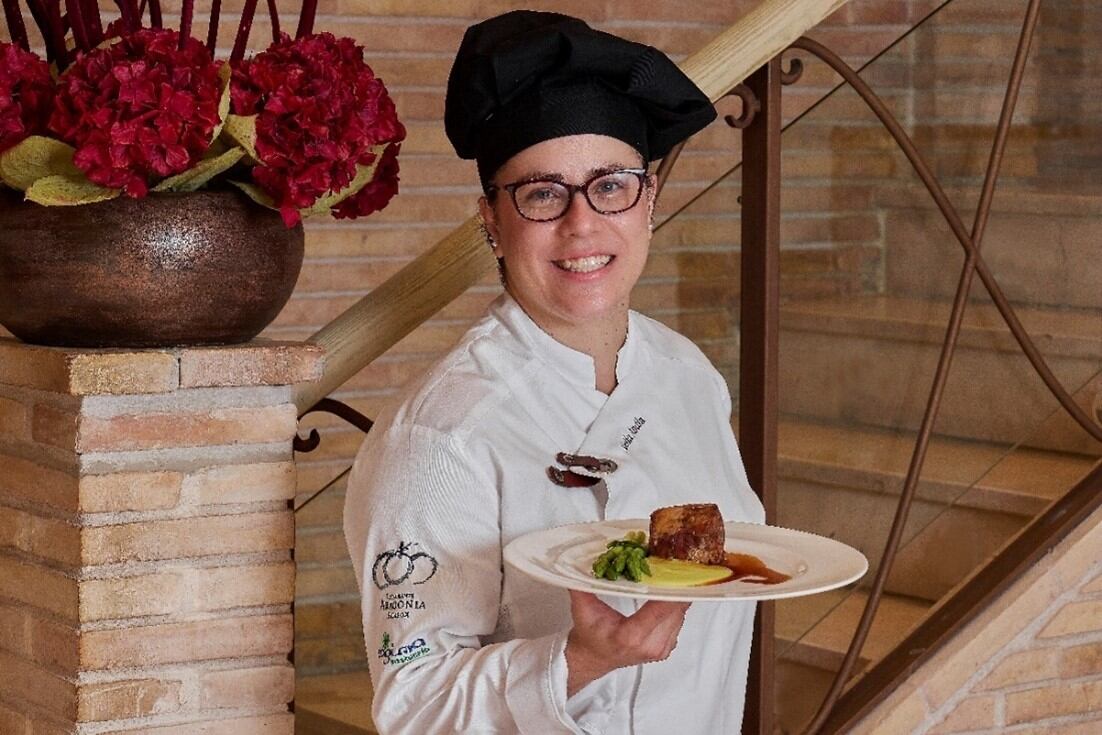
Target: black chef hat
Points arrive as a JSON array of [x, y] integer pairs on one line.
[[526, 76]]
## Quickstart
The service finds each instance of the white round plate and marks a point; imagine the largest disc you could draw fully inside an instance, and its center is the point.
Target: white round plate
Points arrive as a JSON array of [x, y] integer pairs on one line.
[[563, 557]]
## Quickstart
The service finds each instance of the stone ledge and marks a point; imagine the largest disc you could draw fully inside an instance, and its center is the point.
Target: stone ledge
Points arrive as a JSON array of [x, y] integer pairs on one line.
[[257, 363], [87, 372]]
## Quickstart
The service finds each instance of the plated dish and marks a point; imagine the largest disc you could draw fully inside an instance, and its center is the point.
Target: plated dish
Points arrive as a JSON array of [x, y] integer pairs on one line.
[[565, 557]]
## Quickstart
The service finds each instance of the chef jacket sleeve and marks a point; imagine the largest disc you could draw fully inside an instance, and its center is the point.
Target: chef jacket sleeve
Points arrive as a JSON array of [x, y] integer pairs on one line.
[[426, 520]]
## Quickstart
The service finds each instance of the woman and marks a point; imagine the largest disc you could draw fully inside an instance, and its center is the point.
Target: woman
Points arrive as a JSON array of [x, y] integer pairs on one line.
[[562, 121]]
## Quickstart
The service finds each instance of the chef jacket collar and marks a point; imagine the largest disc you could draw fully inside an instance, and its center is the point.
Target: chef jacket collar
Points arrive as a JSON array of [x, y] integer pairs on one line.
[[577, 367]]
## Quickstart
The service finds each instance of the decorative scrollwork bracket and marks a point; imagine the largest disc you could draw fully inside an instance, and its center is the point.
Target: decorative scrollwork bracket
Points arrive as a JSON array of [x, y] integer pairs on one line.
[[342, 410], [750, 107], [794, 72]]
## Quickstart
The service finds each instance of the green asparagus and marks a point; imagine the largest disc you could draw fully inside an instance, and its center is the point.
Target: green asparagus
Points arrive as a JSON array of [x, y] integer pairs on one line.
[[626, 557]]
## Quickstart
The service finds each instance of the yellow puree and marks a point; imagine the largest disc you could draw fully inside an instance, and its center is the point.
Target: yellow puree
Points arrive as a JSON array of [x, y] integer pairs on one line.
[[677, 573]]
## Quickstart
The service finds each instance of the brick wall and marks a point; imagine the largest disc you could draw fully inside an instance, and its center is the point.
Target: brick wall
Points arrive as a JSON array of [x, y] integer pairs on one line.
[[1031, 663], [146, 535]]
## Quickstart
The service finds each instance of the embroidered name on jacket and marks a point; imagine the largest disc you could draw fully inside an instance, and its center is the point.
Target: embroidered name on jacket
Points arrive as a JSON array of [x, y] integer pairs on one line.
[[632, 431], [397, 605]]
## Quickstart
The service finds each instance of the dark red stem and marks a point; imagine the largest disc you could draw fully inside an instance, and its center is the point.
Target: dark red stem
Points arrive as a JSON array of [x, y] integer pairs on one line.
[[155, 14], [75, 13], [14, 18], [243, 29], [93, 23], [306, 19], [186, 12], [212, 32], [126, 11], [53, 28], [42, 20], [274, 15]]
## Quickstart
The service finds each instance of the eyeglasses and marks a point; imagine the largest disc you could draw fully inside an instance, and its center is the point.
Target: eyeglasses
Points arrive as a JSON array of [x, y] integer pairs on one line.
[[609, 192]]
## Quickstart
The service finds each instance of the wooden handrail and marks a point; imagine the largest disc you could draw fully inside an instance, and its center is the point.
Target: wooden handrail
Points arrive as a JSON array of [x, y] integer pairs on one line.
[[376, 322], [396, 307]]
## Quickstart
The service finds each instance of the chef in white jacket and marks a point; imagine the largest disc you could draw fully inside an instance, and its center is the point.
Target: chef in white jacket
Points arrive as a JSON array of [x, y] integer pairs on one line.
[[557, 384]]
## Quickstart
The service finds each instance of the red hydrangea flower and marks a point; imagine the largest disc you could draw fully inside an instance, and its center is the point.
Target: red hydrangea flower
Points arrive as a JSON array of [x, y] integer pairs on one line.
[[26, 95], [139, 110], [378, 193], [319, 109]]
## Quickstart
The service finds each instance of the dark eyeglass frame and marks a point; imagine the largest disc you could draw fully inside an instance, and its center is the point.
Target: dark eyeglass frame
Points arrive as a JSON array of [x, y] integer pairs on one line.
[[571, 189]]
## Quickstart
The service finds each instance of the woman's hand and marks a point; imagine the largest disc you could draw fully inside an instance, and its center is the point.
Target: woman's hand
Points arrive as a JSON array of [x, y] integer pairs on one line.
[[603, 640]]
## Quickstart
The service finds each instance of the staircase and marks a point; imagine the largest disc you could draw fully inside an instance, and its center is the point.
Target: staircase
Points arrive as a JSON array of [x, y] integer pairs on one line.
[[855, 375]]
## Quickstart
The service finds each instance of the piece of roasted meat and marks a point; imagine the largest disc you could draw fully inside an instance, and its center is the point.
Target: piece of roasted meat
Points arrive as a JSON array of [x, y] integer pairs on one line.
[[688, 532]]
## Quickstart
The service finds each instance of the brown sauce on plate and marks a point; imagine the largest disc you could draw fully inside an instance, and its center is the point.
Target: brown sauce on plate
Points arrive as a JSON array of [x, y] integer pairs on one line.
[[749, 568]]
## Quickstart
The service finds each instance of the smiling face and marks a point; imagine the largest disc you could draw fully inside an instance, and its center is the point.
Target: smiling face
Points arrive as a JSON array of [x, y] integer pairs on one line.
[[575, 272]]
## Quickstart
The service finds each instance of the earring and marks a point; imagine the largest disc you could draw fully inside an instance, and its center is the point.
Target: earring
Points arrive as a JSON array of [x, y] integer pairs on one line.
[[486, 234]]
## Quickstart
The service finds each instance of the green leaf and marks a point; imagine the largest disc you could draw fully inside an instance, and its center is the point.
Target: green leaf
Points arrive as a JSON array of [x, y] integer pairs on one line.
[[63, 191], [34, 158], [201, 172], [218, 147], [363, 177], [235, 127], [224, 74], [255, 193], [242, 130]]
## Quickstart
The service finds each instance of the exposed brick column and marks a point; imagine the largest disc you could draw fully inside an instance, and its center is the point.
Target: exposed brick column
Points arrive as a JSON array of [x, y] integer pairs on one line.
[[146, 576]]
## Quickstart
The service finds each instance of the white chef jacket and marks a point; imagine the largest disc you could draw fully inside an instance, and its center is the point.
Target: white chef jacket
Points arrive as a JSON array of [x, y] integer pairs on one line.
[[458, 642]]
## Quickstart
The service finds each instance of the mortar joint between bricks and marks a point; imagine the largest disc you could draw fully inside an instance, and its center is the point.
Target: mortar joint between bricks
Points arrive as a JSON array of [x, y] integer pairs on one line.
[[220, 561], [188, 616], [182, 669], [180, 513]]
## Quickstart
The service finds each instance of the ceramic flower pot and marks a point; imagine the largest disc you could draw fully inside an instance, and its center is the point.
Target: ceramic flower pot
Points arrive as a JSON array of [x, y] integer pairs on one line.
[[208, 267]]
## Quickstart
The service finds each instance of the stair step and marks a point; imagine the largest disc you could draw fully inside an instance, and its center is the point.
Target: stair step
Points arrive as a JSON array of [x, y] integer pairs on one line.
[[844, 482], [1075, 201], [982, 475], [1041, 244], [812, 635], [1059, 332], [824, 644], [871, 360], [337, 704]]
